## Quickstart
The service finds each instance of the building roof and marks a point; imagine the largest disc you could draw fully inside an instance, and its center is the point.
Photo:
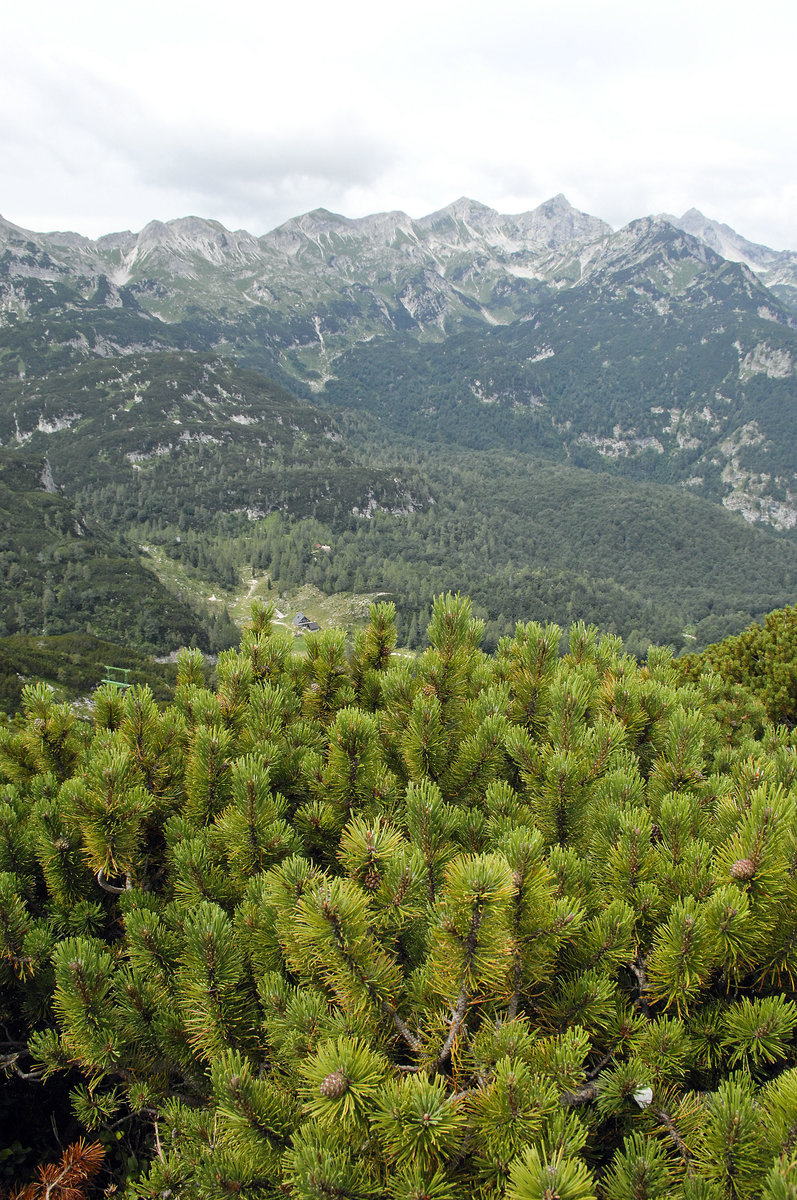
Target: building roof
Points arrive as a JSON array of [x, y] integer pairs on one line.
[[304, 622]]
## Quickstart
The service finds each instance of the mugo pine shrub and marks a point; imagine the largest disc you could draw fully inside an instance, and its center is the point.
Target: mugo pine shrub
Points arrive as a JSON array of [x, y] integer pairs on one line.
[[362, 926]]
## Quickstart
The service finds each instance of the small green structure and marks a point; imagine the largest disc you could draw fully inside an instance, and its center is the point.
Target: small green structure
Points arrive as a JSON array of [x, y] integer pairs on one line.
[[118, 677]]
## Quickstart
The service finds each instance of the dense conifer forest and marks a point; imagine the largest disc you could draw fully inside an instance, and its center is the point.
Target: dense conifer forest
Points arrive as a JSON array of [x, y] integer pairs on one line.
[[362, 924]]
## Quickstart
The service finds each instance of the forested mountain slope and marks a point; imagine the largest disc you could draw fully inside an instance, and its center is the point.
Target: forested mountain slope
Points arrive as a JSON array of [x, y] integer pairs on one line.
[[658, 365], [74, 666], [531, 539], [60, 573], [191, 439], [458, 357]]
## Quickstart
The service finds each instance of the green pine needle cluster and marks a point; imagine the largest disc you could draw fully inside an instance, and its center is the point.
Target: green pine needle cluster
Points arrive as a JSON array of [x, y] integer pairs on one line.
[[460, 926]]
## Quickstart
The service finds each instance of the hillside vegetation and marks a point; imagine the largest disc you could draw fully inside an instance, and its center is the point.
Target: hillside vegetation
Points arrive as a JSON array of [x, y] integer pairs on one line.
[[62, 572], [531, 540], [564, 421], [354, 925], [74, 665], [762, 660]]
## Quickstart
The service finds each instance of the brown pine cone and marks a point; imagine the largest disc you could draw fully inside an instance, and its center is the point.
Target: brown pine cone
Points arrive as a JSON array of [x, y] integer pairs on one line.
[[743, 869], [372, 879], [334, 1085]]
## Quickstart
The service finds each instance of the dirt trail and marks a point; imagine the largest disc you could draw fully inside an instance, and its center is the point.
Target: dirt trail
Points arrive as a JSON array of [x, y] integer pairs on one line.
[[279, 618]]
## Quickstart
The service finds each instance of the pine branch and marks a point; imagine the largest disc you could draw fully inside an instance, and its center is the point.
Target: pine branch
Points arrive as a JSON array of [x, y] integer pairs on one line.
[[9, 1062], [514, 1002], [457, 1017], [111, 887], [67, 1179], [674, 1135], [587, 1093], [412, 1041], [158, 1147], [595, 1071], [388, 1009], [639, 973], [517, 968], [461, 1006], [582, 1095]]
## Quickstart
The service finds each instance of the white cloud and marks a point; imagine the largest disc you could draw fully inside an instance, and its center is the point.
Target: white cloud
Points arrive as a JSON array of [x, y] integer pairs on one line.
[[112, 115]]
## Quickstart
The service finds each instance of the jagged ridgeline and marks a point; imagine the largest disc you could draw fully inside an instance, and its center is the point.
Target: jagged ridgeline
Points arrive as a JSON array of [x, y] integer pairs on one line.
[[514, 927], [659, 365], [521, 364], [667, 348]]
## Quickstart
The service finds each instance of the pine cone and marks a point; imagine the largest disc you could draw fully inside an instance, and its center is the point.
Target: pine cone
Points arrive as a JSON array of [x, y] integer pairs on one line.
[[334, 1085], [372, 879], [743, 869]]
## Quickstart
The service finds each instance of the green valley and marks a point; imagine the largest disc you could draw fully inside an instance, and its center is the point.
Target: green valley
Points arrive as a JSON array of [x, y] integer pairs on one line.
[[564, 421]]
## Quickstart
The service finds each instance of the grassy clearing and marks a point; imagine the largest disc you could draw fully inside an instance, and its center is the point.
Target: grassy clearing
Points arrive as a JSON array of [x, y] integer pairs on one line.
[[172, 575], [344, 610]]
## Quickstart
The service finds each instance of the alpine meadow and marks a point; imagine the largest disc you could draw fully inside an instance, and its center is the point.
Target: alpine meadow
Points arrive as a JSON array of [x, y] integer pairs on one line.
[[398, 745]]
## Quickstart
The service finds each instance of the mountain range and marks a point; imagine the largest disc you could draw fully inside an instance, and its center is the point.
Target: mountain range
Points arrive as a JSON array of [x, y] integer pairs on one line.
[[549, 303], [664, 352]]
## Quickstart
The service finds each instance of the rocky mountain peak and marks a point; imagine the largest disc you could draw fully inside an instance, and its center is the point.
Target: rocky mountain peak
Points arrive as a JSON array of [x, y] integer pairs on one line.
[[314, 227], [695, 217], [317, 221], [556, 222], [556, 205], [726, 241], [470, 211], [12, 233], [465, 221]]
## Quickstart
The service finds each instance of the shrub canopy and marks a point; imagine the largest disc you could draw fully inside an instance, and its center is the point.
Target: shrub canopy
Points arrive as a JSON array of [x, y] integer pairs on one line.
[[361, 925]]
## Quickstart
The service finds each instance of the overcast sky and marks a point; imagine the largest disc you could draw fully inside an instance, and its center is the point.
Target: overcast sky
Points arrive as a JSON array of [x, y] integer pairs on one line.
[[252, 112]]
